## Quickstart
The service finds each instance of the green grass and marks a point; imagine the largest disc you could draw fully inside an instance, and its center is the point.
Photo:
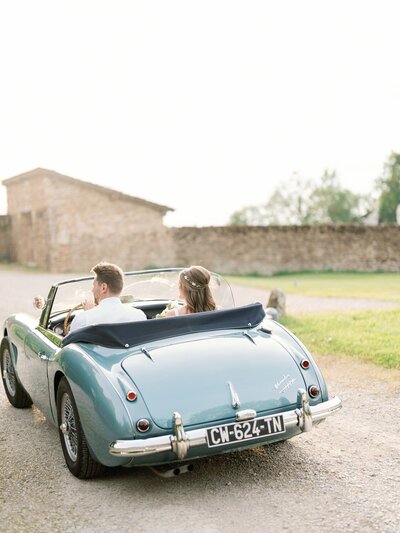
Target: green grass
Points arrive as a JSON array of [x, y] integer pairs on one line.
[[372, 336], [375, 285]]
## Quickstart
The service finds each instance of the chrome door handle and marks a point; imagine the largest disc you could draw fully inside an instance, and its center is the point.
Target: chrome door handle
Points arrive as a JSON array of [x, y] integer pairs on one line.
[[43, 356]]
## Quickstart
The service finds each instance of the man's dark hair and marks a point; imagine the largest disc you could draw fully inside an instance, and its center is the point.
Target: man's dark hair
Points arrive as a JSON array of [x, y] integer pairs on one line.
[[110, 274]]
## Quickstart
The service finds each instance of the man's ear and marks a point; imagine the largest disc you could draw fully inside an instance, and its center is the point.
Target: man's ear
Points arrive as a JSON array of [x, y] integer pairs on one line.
[[104, 288]]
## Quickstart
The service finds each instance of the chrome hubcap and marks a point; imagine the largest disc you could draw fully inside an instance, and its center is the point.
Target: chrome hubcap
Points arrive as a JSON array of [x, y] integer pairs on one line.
[[68, 427], [8, 373]]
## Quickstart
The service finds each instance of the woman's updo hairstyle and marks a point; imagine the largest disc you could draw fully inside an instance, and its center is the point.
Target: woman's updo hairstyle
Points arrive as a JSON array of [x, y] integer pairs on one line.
[[194, 282]]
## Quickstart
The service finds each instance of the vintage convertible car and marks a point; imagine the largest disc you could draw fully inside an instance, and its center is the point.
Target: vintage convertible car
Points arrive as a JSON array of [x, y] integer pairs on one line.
[[161, 391]]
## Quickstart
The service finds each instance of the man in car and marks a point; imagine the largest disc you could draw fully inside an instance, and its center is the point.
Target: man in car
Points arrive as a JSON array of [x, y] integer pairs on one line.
[[107, 307]]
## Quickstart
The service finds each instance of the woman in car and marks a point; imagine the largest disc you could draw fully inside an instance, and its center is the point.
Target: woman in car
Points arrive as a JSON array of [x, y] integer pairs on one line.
[[195, 291]]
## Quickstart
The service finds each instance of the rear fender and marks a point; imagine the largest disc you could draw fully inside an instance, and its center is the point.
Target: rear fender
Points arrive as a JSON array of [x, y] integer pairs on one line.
[[102, 411], [298, 351]]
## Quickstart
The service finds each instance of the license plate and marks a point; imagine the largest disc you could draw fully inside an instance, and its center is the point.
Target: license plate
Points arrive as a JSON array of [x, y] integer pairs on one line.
[[243, 431]]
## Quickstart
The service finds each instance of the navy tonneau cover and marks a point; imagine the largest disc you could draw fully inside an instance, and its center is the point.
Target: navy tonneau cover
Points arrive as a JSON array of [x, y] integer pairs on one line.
[[125, 335]]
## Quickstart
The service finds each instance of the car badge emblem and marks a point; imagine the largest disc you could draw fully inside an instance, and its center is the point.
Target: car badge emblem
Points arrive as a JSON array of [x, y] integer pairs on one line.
[[284, 383]]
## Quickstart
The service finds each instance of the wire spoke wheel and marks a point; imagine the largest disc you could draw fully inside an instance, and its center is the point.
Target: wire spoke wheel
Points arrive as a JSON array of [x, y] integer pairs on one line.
[[68, 427], [72, 437], [9, 373]]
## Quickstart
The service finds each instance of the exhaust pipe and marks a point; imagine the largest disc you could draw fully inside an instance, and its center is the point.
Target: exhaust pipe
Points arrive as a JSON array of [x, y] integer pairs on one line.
[[172, 472]]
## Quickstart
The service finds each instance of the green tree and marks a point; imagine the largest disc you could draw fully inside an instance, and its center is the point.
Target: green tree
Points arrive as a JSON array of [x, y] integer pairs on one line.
[[389, 187], [302, 201], [288, 204], [249, 216], [331, 204]]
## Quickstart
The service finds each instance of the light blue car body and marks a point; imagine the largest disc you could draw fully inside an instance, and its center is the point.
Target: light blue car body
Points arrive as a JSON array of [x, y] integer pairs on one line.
[[194, 374]]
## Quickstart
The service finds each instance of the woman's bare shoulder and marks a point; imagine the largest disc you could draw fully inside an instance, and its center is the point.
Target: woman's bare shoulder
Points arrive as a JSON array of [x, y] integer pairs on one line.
[[178, 311]]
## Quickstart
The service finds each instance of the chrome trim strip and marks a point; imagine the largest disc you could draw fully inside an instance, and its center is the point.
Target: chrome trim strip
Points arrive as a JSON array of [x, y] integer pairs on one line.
[[246, 334], [245, 414], [180, 441], [146, 353], [234, 396]]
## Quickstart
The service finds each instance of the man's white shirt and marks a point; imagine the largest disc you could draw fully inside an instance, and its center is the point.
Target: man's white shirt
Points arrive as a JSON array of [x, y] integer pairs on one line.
[[109, 311]]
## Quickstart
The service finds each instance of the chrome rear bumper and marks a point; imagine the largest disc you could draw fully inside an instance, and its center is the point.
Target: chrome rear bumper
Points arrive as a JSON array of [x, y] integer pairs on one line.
[[181, 441]]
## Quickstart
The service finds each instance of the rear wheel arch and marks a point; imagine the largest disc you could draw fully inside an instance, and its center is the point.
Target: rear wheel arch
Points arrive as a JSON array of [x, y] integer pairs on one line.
[[15, 392], [57, 378], [73, 441]]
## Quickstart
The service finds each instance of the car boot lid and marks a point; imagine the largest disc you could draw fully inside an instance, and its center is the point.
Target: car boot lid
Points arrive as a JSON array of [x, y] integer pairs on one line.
[[210, 379]]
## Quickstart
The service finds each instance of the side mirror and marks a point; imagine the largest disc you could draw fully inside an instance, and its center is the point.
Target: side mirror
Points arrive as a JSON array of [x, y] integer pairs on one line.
[[39, 302]]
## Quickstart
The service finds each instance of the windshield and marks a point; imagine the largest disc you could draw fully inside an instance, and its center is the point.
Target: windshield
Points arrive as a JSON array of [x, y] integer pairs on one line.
[[147, 285]]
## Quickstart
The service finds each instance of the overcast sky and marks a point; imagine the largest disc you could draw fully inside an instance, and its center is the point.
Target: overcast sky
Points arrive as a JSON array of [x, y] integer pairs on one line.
[[204, 106]]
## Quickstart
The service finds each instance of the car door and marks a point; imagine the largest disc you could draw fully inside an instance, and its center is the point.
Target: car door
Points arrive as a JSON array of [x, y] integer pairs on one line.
[[39, 350]]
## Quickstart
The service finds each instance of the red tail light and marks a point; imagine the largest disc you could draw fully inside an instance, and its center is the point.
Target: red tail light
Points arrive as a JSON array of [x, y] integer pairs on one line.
[[313, 391], [305, 364], [143, 425]]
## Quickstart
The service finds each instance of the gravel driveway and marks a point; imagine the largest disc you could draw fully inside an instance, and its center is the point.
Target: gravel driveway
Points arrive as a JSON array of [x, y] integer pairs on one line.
[[343, 476]]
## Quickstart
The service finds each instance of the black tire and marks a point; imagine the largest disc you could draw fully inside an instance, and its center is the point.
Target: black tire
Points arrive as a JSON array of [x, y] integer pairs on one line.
[[16, 394], [73, 440]]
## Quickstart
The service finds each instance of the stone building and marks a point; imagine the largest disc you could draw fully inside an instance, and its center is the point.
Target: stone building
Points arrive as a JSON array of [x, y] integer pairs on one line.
[[59, 223]]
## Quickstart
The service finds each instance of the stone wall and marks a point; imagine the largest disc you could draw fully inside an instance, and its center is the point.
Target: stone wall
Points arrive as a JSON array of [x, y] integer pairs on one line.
[[59, 244], [89, 228], [271, 249], [61, 224]]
